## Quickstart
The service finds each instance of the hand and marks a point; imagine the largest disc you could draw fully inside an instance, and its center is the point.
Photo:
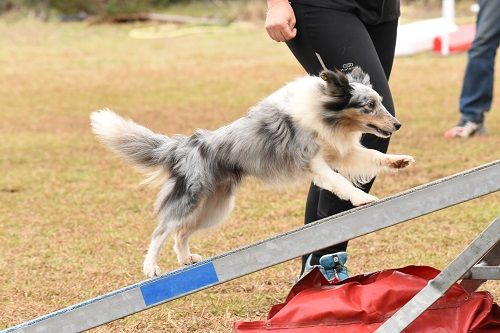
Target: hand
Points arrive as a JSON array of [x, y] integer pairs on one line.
[[280, 21]]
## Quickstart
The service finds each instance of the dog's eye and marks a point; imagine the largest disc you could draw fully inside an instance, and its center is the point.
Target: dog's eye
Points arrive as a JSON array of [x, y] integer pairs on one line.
[[371, 104]]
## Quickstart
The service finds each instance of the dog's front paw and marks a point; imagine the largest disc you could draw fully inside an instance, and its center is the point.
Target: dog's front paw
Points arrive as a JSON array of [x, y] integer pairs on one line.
[[191, 259], [362, 199], [399, 161], [151, 269]]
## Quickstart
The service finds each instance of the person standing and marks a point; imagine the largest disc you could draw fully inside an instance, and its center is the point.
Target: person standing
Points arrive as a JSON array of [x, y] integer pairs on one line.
[[342, 34], [477, 89]]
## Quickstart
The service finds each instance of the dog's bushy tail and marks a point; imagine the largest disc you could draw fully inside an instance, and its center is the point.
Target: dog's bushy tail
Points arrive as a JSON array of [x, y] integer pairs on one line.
[[136, 144]]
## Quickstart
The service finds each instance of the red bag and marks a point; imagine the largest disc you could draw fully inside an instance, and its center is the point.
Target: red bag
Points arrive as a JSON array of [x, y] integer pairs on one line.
[[362, 303]]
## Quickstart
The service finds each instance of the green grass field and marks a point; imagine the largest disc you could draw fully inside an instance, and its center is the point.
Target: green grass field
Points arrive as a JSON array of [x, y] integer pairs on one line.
[[75, 223]]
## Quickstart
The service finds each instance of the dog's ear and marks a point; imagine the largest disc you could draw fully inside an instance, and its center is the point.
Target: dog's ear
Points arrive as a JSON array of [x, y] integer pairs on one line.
[[357, 75], [336, 81], [338, 90]]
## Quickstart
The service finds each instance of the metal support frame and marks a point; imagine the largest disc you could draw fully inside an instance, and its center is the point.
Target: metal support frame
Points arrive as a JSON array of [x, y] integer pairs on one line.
[[484, 273], [438, 286], [354, 223], [487, 269]]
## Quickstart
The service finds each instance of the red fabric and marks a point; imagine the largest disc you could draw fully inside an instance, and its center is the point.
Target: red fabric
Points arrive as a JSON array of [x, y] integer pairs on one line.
[[362, 303]]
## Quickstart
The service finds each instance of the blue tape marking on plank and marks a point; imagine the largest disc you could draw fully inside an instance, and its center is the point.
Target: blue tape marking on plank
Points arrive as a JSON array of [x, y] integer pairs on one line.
[[171, 286]]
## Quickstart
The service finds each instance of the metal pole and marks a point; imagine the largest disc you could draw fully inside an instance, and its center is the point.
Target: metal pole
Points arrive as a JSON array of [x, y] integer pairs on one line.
[[448, 12]]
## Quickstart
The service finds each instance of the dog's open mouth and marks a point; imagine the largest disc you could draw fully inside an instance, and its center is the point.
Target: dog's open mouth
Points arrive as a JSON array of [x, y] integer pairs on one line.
[[379, 130]]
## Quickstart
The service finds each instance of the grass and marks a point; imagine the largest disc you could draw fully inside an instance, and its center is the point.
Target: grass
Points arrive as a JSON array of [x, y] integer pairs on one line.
[[74, 223]]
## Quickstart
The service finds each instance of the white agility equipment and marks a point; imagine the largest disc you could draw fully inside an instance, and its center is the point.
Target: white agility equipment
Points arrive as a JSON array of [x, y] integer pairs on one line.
[[419, 36], [354, 223]]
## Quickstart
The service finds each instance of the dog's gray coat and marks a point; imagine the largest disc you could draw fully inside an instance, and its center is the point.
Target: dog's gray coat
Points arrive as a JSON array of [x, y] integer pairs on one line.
[[311, 126]]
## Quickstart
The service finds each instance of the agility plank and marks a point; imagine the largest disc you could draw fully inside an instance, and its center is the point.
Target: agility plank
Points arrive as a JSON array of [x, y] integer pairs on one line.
[[438, 286], [354, 223]]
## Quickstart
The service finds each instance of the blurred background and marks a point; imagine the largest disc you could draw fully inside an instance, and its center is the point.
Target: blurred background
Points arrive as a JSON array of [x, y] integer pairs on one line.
[[224, 9], [74, 221]]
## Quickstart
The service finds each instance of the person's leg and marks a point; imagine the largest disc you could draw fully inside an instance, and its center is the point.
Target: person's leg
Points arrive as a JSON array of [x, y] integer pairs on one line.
[[477, 90], [343, 42], [383, 37]]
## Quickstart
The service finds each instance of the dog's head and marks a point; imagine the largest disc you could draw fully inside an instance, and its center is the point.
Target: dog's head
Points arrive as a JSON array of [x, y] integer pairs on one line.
[[351, 103]]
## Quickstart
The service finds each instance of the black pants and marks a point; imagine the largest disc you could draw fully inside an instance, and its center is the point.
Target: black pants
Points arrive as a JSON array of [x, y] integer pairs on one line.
[[343, 41]]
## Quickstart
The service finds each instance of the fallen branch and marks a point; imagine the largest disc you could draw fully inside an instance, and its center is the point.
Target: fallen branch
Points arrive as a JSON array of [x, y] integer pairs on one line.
[[166, 18]]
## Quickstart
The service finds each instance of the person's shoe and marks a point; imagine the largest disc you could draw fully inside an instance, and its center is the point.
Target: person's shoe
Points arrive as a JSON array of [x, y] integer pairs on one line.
[[332, 266], [465, 129]]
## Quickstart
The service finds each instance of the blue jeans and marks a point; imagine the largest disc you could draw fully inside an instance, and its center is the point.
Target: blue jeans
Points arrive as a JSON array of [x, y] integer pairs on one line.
[[477, 90]]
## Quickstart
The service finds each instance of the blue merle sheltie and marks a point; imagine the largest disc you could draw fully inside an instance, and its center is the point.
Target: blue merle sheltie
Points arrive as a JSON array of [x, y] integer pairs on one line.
[[311, 128]]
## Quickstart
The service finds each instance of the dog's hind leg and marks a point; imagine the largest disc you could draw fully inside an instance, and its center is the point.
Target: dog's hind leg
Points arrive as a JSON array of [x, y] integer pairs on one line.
[[177, 208], [150, 266], [181, 235], [213, 211], [181, 246]]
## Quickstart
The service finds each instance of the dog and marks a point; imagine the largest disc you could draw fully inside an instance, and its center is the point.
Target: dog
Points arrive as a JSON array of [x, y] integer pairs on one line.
[[311, 127]]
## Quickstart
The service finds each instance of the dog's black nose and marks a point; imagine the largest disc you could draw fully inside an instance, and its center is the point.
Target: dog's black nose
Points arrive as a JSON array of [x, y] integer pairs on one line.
[[397, 126]]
